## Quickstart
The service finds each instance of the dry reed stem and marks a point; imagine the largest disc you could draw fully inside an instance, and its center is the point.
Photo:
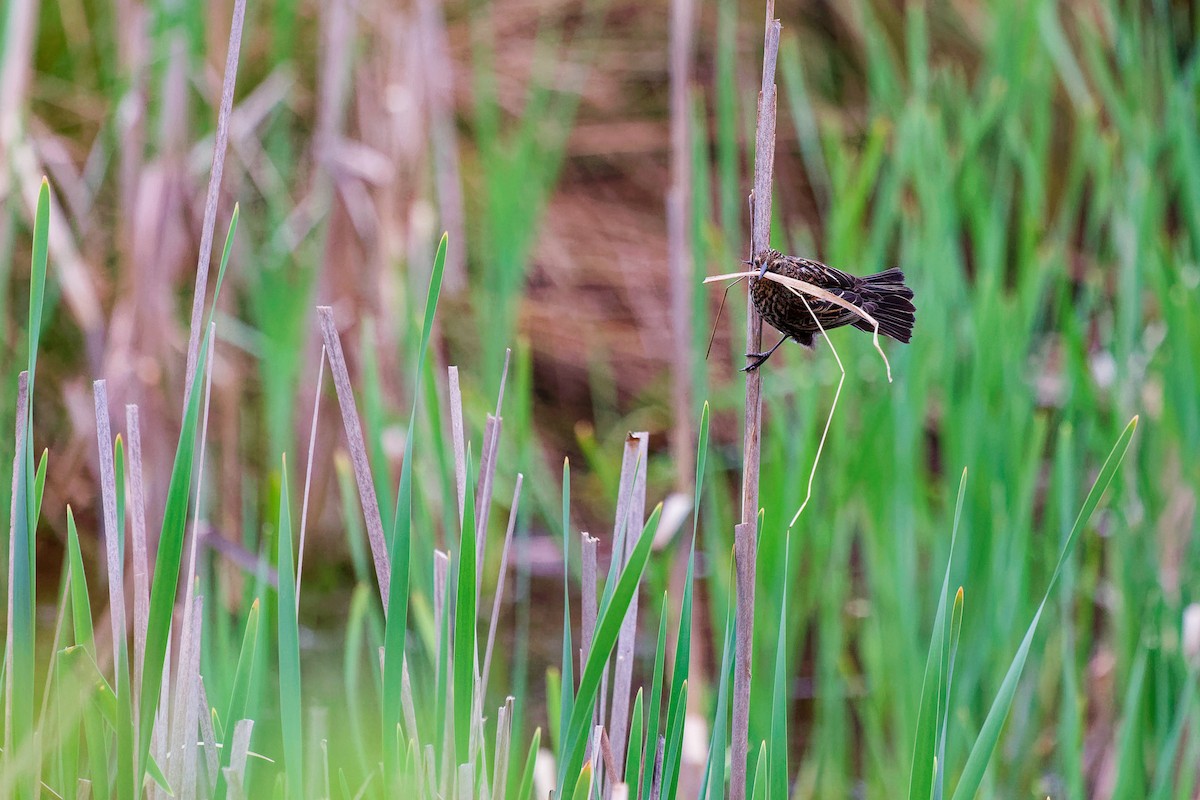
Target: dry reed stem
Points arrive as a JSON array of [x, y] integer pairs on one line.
[[438, 71], [208, 736], [500, 580], [358, 450], [214, 191], [631, 512], [141, 569], [588, 611], [679, 219], [108, 494], [241, 749], [745, 544], [312, 446], [184, 713], [406, 702], [487, 473], [182, 687]]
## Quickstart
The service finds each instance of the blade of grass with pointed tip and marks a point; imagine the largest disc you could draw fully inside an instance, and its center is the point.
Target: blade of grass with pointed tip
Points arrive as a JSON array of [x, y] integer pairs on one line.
[[583, 786], [956, 617], [396, 627], [989, 735], [567, 689], [170, 540], [239, 697], [290, 698], [81, 615], [759, 789], [920, 783], [608, 626], [633, 755], [24, 521], [525, 787]]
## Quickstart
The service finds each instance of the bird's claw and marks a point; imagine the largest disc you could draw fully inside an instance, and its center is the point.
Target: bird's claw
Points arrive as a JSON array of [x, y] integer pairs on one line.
[[759, 358]]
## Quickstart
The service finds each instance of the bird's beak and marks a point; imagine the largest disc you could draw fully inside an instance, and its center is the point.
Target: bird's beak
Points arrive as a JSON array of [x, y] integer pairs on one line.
[[749, 262]]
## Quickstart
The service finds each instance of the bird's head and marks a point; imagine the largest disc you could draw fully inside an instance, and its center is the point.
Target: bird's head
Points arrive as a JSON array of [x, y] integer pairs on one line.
[[762, 261]]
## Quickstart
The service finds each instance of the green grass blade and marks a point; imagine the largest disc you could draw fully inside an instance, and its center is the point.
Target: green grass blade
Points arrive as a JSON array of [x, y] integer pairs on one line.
[[290, 702], [989, 735], [583, 786], [567, 673], [170, 540], [778, 766], [608, 626], [400, 555], [239, 697], [956, 616], [1130, 744], [525, 789], [655, 708], [37, 283], [713, 786], [760, 789], [920, 784], [633, 755]]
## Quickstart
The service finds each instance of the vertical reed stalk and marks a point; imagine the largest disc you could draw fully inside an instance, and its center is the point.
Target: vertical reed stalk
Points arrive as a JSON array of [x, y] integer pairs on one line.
[[745, 545]]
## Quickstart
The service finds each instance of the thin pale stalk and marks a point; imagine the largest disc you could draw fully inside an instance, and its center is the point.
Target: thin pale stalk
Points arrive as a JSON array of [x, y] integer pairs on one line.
[[631, 510], [184, 691], [466, 782], [438, 72], [588, 609], [241, 748], [108, 493], [500, 579], [358, 450], [406, 702], [141, 570], [460, 447], [214, 191], [828, 420], [679, 240], [186, 717], [503, 746], [483, 500], [312, 447]]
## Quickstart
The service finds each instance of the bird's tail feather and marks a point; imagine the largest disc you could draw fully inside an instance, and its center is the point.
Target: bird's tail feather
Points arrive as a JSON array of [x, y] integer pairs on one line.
[[886, 298]]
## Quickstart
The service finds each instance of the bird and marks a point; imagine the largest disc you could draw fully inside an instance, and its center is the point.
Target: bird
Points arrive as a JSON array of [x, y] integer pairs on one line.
[[884, 296]]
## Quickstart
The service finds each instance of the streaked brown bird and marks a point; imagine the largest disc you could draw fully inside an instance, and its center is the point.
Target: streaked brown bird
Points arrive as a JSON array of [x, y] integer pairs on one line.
[[884, 296]]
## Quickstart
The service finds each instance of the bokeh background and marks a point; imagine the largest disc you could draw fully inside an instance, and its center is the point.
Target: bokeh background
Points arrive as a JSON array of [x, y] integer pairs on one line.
[[1033, 166]]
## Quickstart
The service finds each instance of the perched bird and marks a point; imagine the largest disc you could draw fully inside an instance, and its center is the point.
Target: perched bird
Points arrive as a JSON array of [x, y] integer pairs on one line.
[[884, 296]]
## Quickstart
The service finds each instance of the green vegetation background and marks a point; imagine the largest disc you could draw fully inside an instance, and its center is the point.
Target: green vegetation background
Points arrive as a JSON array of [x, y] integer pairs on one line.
[[1034, 167]]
